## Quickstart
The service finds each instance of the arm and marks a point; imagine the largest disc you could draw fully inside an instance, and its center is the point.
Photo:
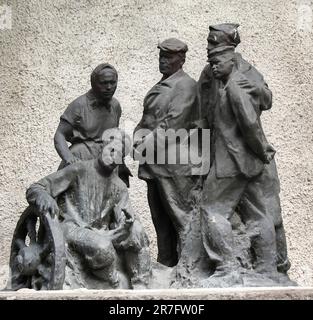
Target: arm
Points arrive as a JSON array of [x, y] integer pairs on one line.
[[251, 73], [245, 105], [70, 119], [123, 211], [63, 134], [208, 93], [180, 112], [119, 113], [42, 193], [266, 97], [259, 89], [265, 94], [123, 171], [123, 215]]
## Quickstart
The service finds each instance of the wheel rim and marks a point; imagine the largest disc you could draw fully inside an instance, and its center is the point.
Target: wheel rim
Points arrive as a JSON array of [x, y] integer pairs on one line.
[[37, 252]]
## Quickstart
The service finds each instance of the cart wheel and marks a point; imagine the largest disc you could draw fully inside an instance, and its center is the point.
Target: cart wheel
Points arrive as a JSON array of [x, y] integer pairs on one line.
[[37, 252]]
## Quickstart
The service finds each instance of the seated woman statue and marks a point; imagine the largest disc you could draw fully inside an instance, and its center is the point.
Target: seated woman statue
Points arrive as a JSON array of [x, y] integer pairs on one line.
[[106, 244], [87, 117]]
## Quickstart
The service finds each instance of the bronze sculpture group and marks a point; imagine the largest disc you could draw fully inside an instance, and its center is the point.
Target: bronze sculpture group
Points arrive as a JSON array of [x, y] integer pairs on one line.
[[219, 228]]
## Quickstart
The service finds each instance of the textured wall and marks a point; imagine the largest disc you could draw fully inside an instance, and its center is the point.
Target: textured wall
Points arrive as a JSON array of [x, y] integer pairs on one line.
[[47, 56]]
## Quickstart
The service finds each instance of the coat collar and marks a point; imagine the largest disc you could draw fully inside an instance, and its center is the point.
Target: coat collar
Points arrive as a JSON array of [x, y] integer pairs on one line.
[[173, 77]]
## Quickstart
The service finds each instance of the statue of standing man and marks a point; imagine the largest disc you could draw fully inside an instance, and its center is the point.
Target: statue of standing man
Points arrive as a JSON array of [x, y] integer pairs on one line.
[[227, 35], [170, 104], [242, 172]]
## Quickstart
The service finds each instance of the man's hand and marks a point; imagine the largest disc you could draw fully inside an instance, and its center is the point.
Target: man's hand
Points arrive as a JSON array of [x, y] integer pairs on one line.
[[252, 88], [45, 203], [120, 234]]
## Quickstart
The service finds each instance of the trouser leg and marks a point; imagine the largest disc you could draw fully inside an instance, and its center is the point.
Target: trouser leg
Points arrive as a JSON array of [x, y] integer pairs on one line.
[[179, 200], [271, 190], [252, 209], [165, 231], [283, 263], [220, 198]]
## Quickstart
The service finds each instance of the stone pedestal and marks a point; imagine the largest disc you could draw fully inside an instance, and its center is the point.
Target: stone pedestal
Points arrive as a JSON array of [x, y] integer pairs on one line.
[[290, 293]]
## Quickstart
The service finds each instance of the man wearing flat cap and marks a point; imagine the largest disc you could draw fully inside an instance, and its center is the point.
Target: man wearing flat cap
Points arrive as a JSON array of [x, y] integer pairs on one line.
[[223, 36], [170, 104]]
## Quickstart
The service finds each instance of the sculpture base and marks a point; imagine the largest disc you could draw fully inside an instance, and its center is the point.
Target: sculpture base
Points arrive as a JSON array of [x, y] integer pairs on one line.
[[277, 293]]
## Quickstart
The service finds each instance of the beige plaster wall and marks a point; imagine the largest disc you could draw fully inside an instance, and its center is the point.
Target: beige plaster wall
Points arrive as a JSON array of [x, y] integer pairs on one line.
[[47, 56]]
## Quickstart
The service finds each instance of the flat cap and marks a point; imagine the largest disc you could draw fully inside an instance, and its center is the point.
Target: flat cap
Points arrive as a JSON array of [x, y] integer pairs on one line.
[[173, 45], [224, 34]]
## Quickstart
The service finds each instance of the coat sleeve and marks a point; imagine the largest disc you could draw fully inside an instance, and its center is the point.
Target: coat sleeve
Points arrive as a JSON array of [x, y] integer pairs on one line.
[[266, 97], [264, 93], [207, 88], [245, 102], [181, 110], [52, 185]]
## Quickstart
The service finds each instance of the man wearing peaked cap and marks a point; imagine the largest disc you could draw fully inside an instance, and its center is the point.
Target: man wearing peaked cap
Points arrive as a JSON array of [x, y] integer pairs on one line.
[[169, 104], [231, 84], [227, 35]]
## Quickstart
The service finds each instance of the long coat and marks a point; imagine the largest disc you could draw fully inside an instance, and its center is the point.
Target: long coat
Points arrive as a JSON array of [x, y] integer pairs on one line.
[[170, 104]]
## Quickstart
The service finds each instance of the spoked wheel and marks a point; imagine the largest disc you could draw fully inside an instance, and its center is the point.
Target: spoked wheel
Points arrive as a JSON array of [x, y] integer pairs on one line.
[[37, 252]]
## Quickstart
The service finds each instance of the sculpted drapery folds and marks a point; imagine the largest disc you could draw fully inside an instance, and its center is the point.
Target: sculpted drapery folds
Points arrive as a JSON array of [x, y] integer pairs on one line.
[[233, 95], [97, 220]]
